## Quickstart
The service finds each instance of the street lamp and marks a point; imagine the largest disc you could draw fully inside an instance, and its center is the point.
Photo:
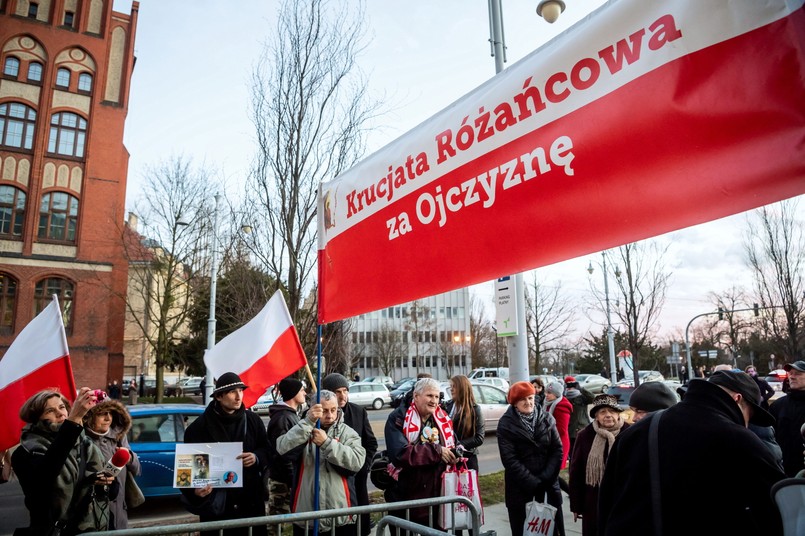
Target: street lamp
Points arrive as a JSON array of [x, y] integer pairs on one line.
[[610, 335], [518, 344], [213, 284]]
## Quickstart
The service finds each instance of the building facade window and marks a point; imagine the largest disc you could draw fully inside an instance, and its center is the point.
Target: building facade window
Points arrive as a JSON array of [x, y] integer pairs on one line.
[[12, 211], [17, 122], [68, 18], [11, 67], [63, 77], [85, 82], [43, 295], [8, 296], [34, 72], [68, 133], [33, 10], [58, 217]]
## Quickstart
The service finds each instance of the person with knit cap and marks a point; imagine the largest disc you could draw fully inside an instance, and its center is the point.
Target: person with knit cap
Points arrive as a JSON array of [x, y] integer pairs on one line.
[[283, 416], [357, 418], [650, 397], [560, 408], [531, 452], [589, 459], [107, 424], [226, 420]]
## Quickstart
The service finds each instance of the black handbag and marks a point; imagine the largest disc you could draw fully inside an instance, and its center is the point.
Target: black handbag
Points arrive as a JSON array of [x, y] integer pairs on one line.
[[379, 471]]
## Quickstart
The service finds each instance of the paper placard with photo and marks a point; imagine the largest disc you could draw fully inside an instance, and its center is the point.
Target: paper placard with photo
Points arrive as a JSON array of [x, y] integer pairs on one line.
[[199, 464]]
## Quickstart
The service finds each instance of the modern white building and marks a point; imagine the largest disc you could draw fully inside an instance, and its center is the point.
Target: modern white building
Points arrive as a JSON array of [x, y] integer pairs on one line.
[[428, 335]]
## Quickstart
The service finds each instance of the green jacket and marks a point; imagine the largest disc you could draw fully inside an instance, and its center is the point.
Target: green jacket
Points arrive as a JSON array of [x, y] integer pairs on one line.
[[579, 398], [341, 457]]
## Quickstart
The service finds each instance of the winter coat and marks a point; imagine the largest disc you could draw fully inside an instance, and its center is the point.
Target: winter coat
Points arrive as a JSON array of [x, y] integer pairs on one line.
[[47, 464], [561, 412], [341, 457], [108, 444], [470, 443], [712, 468], [766, 392], [216, 426], [583, 497], [282, 418], [790, 414], [531, 462], [579, 399]]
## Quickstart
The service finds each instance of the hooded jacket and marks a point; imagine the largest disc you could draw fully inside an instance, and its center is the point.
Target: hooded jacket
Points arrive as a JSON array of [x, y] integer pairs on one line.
[[108, 443], [341, 457], [711, 467], [47, 464], [789, 411], [282, 418]]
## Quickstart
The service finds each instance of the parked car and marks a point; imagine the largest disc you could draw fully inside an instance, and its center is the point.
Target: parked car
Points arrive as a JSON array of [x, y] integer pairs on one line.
[[399, 393], [155, 431], [369, 394], [500, 383], [385, 380], [188, 386], [271, 396], [150, 387], [546, 378], [595, 383], [623, 391], [776, 378], [489, 398], [484, 372]]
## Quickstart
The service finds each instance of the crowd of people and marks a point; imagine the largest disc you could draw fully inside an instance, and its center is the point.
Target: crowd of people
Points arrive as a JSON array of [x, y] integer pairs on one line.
[[709, 452]]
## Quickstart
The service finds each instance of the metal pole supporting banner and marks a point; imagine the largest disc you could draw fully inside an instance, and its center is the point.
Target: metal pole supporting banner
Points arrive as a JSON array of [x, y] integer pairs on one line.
[[209, 381]]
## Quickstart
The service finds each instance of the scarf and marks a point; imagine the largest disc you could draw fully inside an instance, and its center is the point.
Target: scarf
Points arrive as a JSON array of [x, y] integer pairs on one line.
[[604, 437], [551, 406], [224, 427], [529, 420], [412, 425]]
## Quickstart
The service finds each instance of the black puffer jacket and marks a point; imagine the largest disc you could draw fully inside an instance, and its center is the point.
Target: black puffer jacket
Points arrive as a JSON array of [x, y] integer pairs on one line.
[[531, 461], [281, 419], [470, 442], [790, 414]]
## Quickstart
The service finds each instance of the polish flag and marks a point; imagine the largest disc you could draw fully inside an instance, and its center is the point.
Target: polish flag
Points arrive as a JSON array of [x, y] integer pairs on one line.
[[37, 359], [262, 352]]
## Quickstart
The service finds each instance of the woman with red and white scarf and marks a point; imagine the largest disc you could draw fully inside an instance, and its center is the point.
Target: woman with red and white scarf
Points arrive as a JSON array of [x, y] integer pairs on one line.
[[420, 443]]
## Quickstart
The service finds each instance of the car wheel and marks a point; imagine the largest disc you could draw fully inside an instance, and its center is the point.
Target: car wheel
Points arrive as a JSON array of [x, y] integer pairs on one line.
[[377, 404]]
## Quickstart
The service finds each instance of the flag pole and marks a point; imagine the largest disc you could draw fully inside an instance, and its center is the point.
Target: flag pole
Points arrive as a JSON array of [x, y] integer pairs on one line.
[[318, 425], [70, 377]]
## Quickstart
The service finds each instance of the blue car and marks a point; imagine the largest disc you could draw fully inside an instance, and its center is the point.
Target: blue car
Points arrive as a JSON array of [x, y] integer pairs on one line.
[[155, 430]]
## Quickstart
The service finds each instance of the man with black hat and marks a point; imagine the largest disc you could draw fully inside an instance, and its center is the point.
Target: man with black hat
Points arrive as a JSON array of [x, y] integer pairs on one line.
[[282, 417], [356, 418], [709, 466], [790, 414], [649, 397], [226, 420]]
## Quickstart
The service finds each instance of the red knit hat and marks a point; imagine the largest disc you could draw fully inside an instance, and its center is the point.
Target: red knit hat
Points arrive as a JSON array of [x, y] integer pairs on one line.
[[569, 379], [519, 391]]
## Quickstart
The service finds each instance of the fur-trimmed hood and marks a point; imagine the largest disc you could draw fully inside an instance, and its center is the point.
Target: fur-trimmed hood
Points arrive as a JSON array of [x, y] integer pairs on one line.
[[121, 420]]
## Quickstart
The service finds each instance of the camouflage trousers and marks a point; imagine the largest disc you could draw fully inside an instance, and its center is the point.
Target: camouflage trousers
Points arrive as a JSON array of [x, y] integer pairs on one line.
[[279, 502]]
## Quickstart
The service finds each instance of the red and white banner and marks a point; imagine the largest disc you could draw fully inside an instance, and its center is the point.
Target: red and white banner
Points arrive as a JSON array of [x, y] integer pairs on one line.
[[644, 118], [262, 352], [37, 359]]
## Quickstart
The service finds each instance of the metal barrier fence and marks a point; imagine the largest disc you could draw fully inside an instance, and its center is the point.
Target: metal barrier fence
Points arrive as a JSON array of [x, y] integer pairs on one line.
[[309, 517], [410, 526]]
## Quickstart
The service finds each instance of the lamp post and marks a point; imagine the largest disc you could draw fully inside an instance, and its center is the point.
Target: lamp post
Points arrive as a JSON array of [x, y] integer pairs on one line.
[[613, 374], [208, 388], [517, 344]]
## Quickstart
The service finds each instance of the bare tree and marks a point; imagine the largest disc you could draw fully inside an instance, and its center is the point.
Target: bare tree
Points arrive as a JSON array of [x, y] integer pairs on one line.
[[732, 327], [549, 318], [775, 248], [388, 348], [484, 346], [641, 288], [310, 110], [164, 253]]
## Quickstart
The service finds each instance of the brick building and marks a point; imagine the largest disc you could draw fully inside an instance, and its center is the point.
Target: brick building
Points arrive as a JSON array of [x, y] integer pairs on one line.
[[64, 92]]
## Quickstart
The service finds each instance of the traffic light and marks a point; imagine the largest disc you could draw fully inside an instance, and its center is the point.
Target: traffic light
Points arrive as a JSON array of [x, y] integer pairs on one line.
[[721, 313], [756, 307]]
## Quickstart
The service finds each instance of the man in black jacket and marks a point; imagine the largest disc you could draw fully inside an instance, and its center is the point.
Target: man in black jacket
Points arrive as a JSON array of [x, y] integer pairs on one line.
[[711, 467], [226, 420], [356, 418], [282, 417], [790, 414]]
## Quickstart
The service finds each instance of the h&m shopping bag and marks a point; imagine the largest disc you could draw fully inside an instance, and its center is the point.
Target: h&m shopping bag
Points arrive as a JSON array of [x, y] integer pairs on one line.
[[460, 482], [539, 518]]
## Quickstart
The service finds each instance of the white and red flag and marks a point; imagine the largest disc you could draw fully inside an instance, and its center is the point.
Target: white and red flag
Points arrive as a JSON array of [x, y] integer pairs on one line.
[[37, 359], [262, 352], [643, 118]]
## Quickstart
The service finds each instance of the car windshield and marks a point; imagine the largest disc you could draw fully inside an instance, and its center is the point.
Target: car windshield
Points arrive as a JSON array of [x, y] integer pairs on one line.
[[623, 392]]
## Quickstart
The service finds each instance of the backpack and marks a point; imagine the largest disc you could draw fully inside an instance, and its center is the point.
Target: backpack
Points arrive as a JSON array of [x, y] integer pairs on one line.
[[379, 471]]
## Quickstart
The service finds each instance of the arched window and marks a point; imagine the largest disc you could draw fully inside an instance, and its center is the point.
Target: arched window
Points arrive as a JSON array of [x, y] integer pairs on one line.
[[63, 77], [8, 295], [68, 132], [58, 217], [11, 67], [17, 122], [85, 82], [34, 72], [43, 295], [12, 211]]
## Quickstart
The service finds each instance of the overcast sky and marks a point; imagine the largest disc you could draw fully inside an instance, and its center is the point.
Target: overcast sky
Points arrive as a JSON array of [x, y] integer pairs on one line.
[[189, 96]]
